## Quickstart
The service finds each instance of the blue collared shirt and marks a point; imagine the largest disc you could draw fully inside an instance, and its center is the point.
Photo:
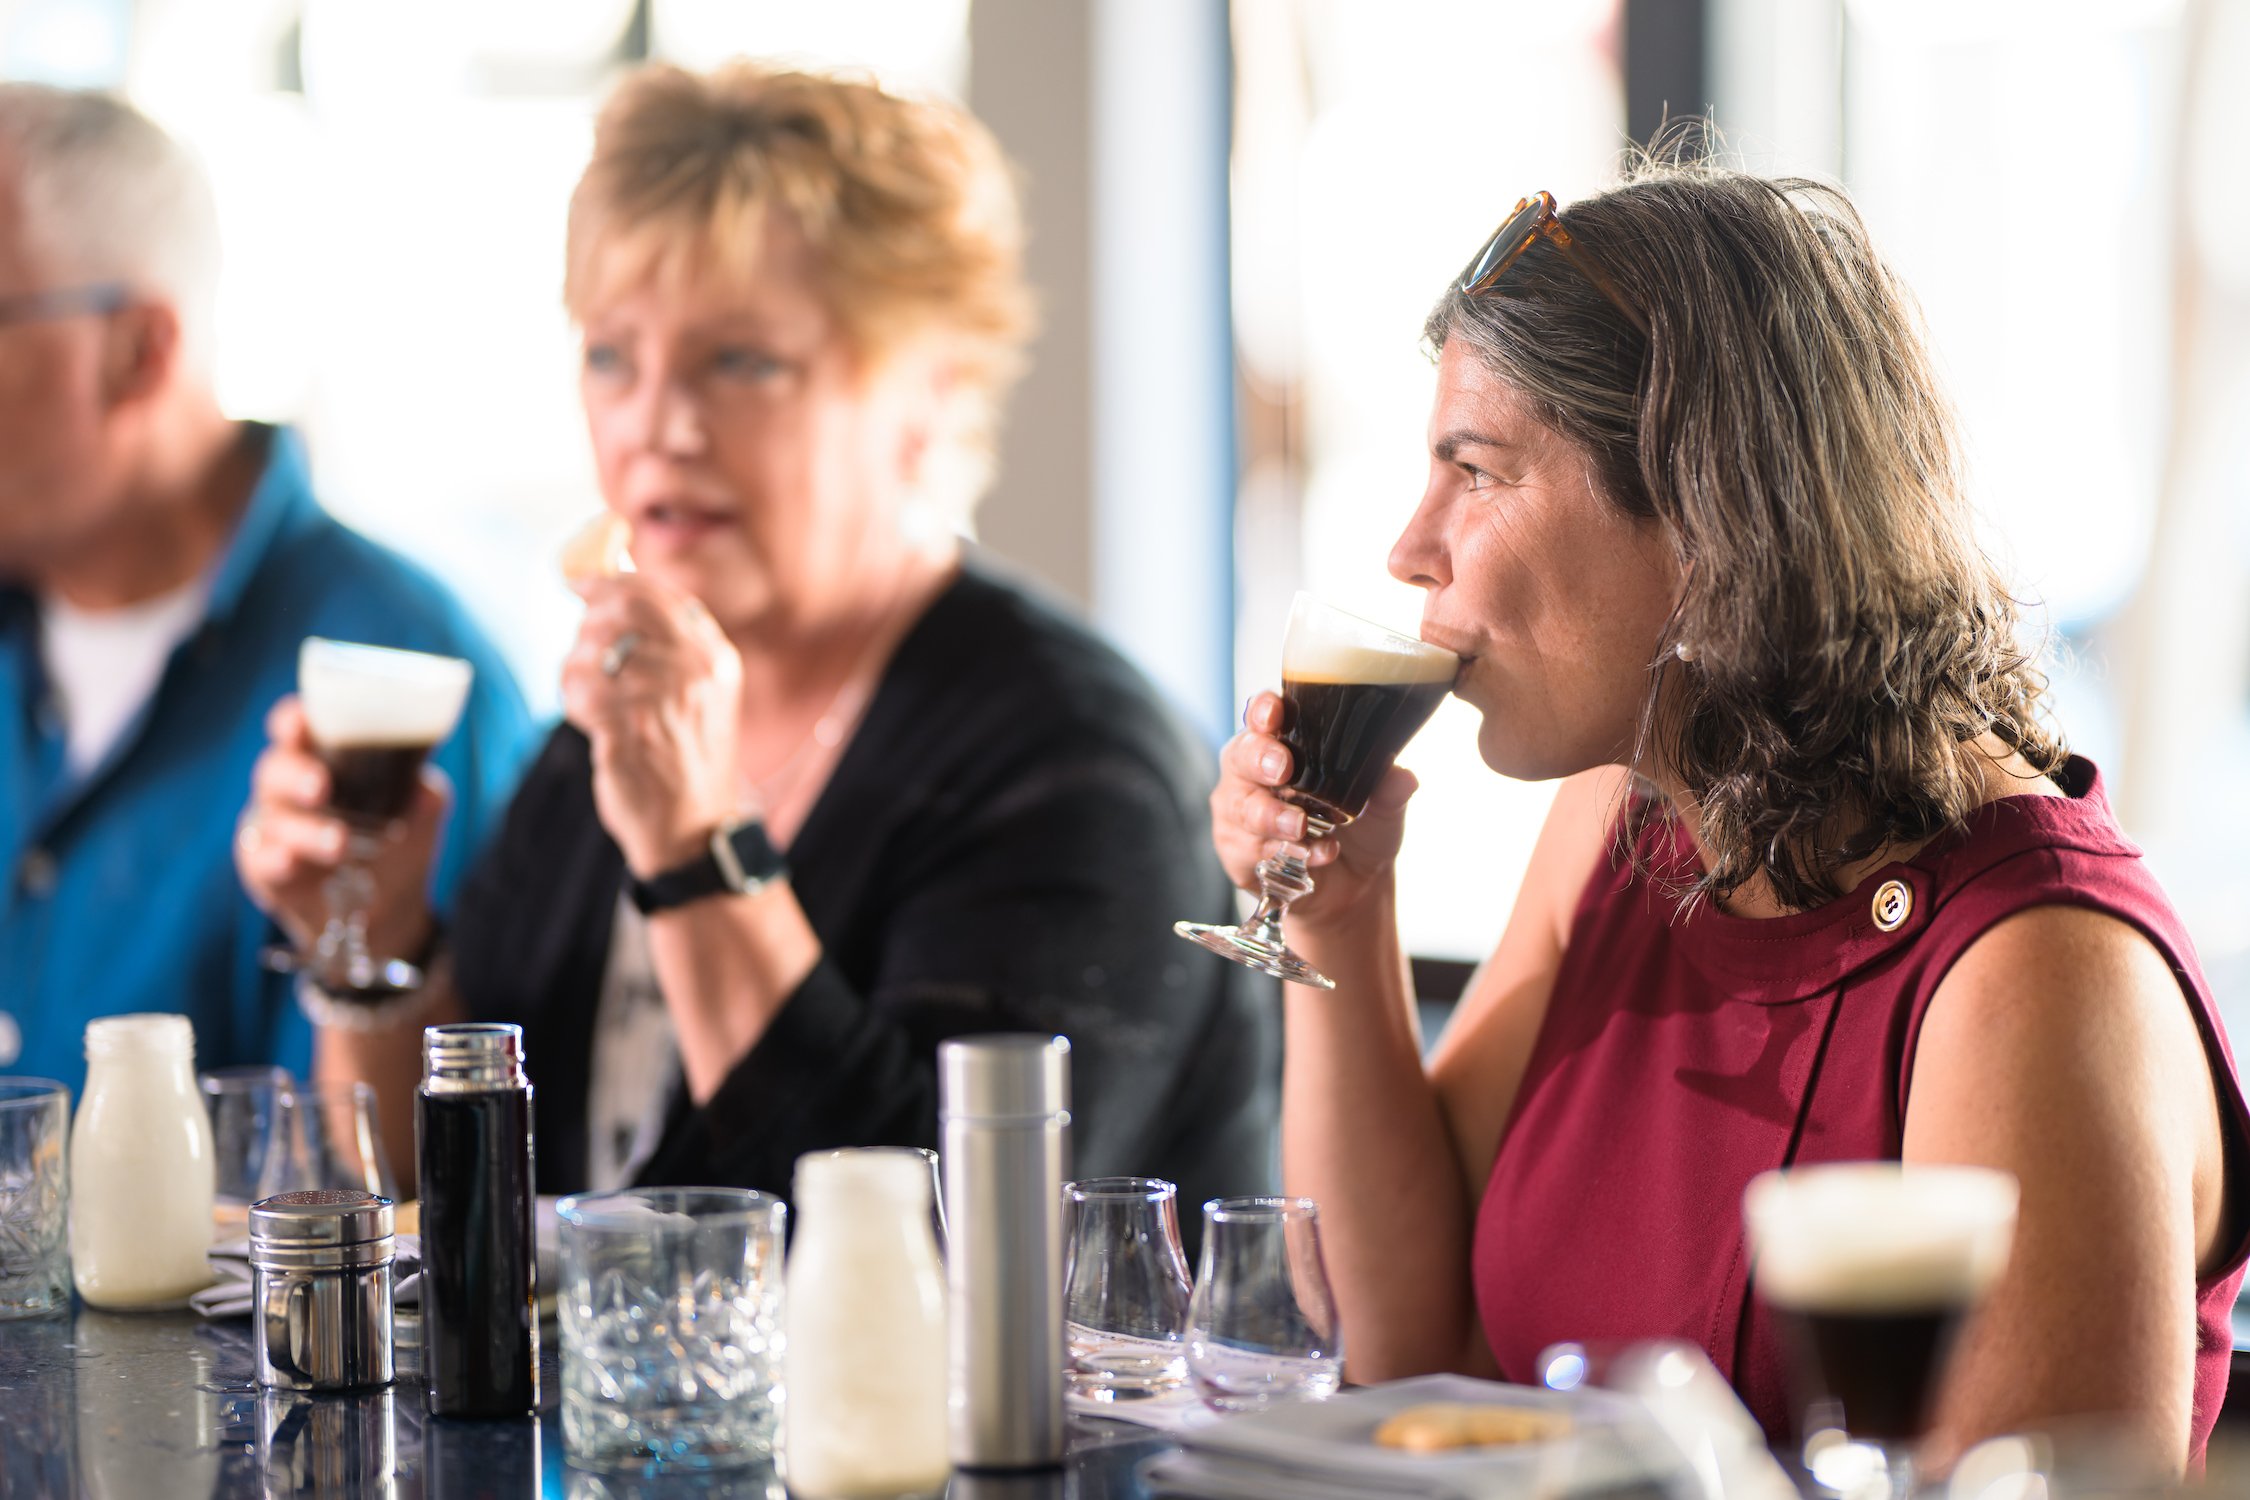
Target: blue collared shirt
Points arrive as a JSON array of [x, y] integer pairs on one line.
[[118, 889]]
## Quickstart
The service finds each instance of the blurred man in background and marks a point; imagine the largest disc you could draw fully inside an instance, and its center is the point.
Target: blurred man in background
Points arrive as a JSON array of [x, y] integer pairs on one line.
[[159, 566]]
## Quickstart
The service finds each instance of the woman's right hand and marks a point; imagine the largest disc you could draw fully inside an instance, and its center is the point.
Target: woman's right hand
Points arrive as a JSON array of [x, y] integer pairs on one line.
[[288, 844], [1250, 822]]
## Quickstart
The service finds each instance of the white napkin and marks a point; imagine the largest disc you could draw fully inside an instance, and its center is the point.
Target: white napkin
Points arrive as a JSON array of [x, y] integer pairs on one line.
[[229, 1294]]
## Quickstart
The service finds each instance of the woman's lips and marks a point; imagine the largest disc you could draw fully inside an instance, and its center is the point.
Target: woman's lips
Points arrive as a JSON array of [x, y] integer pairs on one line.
[[676, 522]]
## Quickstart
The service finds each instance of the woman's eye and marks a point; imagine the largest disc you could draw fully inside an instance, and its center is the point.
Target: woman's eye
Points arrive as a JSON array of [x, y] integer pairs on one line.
[[745, 364], [604, 359], [1478, 479]]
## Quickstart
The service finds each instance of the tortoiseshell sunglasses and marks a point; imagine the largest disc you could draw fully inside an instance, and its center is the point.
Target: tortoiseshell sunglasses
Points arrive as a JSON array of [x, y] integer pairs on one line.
[[1534, 218]]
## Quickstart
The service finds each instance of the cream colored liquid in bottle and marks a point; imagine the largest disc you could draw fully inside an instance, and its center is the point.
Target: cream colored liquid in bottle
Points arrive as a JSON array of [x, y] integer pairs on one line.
[[141, 1167]]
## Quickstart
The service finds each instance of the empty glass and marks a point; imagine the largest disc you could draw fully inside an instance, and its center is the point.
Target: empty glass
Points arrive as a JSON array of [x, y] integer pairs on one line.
[[1262, 1326], [253, 1130], [34, 1179], [1125, 1288], [670, 1310], [337, 1144]]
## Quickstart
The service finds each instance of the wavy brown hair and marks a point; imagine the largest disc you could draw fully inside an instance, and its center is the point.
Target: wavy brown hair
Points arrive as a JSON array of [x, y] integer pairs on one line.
[[1845, 639]]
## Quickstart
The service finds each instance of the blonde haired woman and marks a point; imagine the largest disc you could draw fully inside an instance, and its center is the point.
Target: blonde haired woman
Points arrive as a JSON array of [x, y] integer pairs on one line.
[[826, 792]]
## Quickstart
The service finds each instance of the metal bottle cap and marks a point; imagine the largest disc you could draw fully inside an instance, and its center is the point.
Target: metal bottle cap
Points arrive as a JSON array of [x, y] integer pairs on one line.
[[472, 1057], [321, 1229], [1011, 1076]]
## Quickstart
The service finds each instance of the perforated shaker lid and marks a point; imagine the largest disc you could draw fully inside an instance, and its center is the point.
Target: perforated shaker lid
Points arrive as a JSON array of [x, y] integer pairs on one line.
[[1009, 1076], [319, 1217]]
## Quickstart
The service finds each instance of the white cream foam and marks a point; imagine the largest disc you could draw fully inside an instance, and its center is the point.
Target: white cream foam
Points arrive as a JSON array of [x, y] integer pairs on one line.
[[372, 695], [1326, 645], [1875, 1237]]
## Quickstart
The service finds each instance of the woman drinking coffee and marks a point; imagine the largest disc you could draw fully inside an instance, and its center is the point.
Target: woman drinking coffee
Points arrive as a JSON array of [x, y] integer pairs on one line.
[[1819, 884]]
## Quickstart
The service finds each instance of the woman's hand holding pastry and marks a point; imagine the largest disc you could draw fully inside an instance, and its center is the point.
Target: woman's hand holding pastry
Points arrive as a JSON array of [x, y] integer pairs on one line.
[[1251, 821], [656, 688]]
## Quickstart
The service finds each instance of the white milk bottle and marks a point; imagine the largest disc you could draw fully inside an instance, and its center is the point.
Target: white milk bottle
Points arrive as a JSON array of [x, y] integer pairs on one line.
[[141, 1166], [864, 1361]]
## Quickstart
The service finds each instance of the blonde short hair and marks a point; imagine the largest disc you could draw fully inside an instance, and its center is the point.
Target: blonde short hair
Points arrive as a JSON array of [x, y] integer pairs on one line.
[[907, 205]]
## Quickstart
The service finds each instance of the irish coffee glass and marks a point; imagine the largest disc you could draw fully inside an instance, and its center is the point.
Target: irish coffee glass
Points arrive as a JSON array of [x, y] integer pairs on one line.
[[1871, 1268], [1352, 695], [375, 716]]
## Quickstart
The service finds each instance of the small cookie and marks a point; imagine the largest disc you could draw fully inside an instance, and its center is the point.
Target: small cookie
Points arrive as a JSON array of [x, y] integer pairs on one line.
[[600, 549], [1445, 1425]]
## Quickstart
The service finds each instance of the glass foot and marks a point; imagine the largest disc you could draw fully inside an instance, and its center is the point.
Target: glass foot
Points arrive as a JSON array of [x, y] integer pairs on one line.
[[369, 979], [1245, 948]]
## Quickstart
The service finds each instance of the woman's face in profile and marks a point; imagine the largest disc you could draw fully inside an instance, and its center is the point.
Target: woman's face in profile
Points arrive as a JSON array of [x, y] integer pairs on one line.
[[759, 463], [1555, 596]]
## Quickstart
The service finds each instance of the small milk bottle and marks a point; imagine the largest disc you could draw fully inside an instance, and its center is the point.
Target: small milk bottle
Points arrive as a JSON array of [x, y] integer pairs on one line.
[[865, 1356], [141, 1165]]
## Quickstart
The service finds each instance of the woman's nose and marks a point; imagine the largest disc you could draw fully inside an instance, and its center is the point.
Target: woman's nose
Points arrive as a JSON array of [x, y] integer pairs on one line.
[[1419, 555], [672, 421]]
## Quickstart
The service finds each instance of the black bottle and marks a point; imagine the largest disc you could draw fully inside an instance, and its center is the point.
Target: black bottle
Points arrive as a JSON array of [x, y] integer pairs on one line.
[[480, 1316]]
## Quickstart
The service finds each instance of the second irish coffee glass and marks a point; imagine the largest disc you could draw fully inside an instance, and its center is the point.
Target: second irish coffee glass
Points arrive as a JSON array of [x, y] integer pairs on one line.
[[1871, 1268], [1352, 695], [375, 716]]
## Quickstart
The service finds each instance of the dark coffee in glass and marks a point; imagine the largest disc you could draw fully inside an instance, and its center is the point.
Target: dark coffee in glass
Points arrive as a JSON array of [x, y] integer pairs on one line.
[[1352, 695], [373, 784]]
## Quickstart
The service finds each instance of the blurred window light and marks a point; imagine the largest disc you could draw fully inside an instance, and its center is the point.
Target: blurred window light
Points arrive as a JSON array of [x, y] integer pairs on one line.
[[1359, 188], [918, 46], [69, 43]]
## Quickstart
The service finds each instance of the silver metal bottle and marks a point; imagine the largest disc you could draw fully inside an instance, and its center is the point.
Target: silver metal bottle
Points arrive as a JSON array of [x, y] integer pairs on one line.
[[1004, 1113], [320, 1263]]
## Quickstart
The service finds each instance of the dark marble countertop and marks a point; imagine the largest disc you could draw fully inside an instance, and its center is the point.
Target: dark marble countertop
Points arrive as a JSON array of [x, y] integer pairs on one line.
[[124, 1406]]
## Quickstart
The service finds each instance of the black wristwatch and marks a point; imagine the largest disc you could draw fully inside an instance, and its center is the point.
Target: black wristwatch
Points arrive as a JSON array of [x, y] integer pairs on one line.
[[741, 859]]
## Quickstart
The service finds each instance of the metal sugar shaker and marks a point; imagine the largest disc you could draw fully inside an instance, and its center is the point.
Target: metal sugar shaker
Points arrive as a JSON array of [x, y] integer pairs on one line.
[[321, 1267]]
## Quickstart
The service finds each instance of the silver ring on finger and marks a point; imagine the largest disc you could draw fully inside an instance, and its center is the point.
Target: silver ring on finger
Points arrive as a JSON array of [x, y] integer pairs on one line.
[[248, 835], [619, 652]]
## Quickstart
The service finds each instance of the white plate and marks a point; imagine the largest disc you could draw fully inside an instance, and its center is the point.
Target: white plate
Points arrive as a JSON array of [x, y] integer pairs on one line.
[[1611, 1442]]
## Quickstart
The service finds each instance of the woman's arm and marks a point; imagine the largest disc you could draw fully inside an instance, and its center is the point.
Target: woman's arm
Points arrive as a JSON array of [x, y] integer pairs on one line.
[[1365, 1130], [2061, 1048]]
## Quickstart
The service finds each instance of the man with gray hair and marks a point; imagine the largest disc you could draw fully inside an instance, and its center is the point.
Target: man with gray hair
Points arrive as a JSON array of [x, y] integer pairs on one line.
[[159, 566]]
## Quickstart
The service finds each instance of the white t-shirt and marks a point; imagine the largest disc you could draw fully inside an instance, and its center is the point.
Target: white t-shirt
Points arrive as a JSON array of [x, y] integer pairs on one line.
[[636, 1059], [104, 664]]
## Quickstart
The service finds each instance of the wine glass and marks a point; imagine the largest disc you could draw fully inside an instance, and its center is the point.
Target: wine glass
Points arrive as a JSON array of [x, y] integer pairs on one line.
[[1871, 1267], [1352, 695], [375, 716], [1262, 1325], [337, 1141]]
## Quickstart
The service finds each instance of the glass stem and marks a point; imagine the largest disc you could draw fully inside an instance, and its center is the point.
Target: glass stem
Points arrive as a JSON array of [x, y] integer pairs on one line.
[[342, 958], [1282, 879]]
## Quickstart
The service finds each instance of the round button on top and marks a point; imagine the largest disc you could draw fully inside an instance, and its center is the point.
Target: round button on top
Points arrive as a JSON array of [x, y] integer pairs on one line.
[[38, 873], [1894, 903], [11, 1039]]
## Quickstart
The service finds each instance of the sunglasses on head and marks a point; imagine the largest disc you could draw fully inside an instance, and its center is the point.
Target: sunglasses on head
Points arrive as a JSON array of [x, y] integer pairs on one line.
[[1534, 219]]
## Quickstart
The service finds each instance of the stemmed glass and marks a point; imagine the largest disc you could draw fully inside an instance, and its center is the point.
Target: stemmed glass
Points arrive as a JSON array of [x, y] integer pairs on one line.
[[253, 1131], [1871, 1267], [375, 716], [1352, 695], [1262, 1324]]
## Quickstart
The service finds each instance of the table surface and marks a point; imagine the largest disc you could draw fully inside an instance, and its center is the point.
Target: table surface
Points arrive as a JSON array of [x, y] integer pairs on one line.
[[168, 1405]]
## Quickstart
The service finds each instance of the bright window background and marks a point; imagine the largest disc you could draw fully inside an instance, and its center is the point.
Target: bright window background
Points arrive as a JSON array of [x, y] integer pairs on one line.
[[2052, 179], [392, 181], [1367, 171]]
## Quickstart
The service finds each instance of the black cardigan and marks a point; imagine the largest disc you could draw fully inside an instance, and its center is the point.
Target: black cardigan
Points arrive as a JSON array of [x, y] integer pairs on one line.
[[1003, 846]]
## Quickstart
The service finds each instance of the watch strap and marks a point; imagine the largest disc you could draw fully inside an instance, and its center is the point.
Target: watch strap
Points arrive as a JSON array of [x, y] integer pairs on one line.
[[740, 859]]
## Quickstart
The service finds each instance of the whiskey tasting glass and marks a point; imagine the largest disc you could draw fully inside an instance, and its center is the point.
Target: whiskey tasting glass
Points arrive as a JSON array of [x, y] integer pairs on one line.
[[1125, 1288]]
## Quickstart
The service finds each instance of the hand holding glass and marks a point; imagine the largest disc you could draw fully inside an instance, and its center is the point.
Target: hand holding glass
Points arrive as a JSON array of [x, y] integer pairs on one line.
[[375, 716], [1871, 1267], [1352, 695]]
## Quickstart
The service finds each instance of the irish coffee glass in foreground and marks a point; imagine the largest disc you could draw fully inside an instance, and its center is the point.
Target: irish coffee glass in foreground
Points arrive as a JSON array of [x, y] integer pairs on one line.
[[1352, 695], [1871, 1267], [375, 716]]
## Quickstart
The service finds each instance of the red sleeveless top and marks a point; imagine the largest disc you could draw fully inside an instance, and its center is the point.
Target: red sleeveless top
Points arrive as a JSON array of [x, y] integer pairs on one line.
[[1679, 1058]]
